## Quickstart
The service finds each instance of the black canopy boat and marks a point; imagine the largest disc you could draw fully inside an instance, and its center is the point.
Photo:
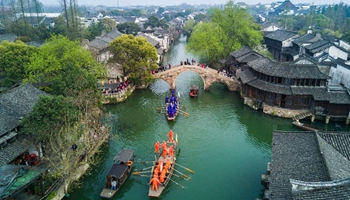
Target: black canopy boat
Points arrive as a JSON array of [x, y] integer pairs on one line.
[[118, 173]]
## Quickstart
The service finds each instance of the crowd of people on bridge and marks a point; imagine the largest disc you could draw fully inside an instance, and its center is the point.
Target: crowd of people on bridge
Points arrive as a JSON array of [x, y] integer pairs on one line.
[[225, 71]]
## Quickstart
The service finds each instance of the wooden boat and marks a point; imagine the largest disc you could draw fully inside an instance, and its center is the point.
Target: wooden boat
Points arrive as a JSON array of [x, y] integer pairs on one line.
[[307, 127], [194, 91], [162, 186], [119, 172], [172, 108]]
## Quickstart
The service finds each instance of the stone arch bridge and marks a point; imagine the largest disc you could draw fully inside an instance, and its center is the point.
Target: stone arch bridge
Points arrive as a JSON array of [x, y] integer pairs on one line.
[[208, 75]]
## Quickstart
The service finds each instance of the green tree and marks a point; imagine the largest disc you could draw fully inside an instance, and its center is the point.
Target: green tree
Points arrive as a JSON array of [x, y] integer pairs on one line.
[[153, 21], [136, 55], [206, 43], [227, 31], [128, 28], [60, 27], [13, 57], [200, 17], [53, 112], [346, 37], [109, 24], [189, 24], [58, 65]]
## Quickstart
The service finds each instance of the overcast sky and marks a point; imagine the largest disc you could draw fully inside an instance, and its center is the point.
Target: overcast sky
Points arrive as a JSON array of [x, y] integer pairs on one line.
[[123, 3]]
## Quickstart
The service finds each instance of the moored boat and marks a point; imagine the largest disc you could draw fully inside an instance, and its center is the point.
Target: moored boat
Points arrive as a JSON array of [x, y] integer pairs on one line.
[[194, 91], [307, 127], [118, 173], [160, 166]]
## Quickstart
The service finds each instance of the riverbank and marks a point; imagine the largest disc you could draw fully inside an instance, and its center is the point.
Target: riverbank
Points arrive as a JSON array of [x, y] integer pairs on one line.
[[63, 190]]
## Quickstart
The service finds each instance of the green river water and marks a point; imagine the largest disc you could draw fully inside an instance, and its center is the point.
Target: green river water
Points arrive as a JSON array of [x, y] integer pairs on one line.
[[226, 143]]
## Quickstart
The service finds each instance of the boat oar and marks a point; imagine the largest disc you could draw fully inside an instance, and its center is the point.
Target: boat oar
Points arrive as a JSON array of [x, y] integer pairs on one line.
[[180, 177], [184, 113], [143, 169], [176, 183], [189, 170], [140, 173], [145, 162], [184, 175]]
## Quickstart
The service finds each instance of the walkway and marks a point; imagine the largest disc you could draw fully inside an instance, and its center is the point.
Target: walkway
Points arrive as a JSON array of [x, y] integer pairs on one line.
[[208, 75]]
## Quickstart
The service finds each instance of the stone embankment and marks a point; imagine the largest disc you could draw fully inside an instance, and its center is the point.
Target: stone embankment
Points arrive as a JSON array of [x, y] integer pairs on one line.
[[61, 192]]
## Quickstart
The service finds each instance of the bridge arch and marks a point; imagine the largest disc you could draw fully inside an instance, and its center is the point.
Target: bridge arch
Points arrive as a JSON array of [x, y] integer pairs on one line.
[[208, 75]]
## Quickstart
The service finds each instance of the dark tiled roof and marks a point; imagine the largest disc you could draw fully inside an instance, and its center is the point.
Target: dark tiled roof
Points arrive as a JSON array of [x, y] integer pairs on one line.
[[295, 155], [248, 57], [319, 93], [120, 19], [149, 39], [289, 70], [8, 36], [242, 51], [307, 38], [246, 76], [281, 35], [318, 46], [341, 142], [8, 119], [99, 43], [13, 150], [19, 101], [103, 42], [265, 86], [339, 98]]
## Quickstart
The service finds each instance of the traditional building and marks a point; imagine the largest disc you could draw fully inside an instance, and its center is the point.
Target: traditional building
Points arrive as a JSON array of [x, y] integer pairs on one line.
[[298, 86], [279, 43], [14, 105], [308, 165]]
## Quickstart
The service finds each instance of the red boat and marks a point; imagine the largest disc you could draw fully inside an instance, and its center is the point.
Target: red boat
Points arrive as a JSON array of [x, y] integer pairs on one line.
[[194, 91]]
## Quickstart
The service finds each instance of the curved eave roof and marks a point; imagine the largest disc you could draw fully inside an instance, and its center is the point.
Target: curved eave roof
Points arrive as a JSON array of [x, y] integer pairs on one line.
[[262, 85], [287, 70]]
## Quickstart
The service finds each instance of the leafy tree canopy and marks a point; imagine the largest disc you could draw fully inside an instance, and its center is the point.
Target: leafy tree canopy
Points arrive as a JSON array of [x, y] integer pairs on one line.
[[228, 30], [128, 28], [58, 59], [52, 112], [109, 24], [153, 21], [13, 57], [136, 55]]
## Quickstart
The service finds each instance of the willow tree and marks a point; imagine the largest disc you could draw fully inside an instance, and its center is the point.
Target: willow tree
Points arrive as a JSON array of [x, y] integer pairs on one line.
[[136, 56], [227, 31]]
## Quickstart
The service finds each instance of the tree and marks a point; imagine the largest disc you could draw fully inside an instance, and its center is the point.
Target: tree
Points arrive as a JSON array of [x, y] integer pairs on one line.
[[153, 21], [109, 24], [59, 63], [205, 42], [136, 55], [53, 112], [346, 37], [128, 28], [189, 24], [227, 31], [200, 17], [13, 57]]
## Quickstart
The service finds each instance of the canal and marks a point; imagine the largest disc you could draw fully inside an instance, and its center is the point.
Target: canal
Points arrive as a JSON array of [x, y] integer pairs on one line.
[[226, 144]]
